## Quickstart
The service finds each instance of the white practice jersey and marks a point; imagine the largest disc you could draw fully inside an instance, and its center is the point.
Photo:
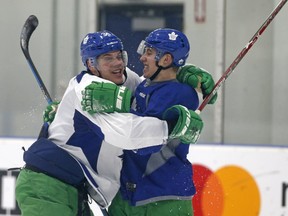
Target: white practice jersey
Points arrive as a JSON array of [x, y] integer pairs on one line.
[[97, 141]]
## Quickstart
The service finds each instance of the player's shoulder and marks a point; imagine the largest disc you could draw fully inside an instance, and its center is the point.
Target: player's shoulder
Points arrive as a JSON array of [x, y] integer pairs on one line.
[[182, 89], [133, 75], [130, 72], [185, 95], [180, 86], [173, 89]]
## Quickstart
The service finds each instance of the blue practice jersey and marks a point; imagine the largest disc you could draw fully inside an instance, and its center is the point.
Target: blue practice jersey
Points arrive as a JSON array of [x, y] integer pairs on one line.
[[166, 174]]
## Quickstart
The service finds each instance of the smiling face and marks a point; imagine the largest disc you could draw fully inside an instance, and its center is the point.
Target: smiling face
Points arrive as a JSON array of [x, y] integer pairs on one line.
[[150, 65], [148, 60], [109, 66]]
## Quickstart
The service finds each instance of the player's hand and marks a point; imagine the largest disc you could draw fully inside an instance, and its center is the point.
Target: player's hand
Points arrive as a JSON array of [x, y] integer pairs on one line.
[[50, 112], [188, 126], [197, 78], [101, 97]]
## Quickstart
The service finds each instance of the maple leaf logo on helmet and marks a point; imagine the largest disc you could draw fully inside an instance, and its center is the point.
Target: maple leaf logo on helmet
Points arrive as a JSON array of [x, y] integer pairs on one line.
[[166, 40], [173, 36]]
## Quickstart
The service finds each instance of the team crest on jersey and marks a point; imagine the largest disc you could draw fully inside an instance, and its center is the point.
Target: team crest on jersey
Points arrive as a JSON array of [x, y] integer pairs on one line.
[[173, 36]]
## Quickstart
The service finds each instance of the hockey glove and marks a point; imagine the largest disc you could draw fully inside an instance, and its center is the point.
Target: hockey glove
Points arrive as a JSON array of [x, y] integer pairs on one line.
[[188, 126], [195, 76], [100, 97], [50, 112]]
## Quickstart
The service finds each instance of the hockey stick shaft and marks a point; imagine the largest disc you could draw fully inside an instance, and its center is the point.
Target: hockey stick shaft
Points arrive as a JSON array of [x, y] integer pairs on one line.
[[27, 30], [243, 52], [104, 212]]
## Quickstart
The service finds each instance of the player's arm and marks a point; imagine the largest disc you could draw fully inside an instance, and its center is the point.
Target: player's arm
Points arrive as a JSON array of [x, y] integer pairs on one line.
[[187, 128]]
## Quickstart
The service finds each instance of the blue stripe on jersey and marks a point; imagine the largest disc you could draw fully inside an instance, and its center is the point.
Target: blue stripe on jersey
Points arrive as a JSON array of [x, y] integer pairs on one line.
[[88, 137]]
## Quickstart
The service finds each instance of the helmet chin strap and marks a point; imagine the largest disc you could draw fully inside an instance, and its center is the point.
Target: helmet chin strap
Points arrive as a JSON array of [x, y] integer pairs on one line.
[[158, 71]]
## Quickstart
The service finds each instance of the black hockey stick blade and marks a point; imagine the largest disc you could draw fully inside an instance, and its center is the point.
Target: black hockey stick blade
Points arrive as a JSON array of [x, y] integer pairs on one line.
[[27, 30]]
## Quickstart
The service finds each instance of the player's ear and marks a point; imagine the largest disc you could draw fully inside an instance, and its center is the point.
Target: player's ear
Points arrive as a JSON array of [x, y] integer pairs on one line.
[[166, 60], [90, 64]]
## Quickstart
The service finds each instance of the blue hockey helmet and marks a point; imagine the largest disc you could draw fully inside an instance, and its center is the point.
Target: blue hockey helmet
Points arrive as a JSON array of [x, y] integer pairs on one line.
[[166, 40], [98, 43]]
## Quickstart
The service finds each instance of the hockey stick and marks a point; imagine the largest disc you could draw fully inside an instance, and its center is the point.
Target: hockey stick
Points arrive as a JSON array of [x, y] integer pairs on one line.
[[29, 26], [27, 30], [241, 55]]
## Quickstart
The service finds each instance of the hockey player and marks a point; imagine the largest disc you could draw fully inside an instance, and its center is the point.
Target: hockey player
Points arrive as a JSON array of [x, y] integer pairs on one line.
[[77, 155], [157, 182]]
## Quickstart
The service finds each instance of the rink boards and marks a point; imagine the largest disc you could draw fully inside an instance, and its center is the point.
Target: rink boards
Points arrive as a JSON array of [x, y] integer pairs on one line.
[[230, 179]]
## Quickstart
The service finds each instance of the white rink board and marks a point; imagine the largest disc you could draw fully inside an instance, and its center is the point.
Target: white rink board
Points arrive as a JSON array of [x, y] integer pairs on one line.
[[267, 165]]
